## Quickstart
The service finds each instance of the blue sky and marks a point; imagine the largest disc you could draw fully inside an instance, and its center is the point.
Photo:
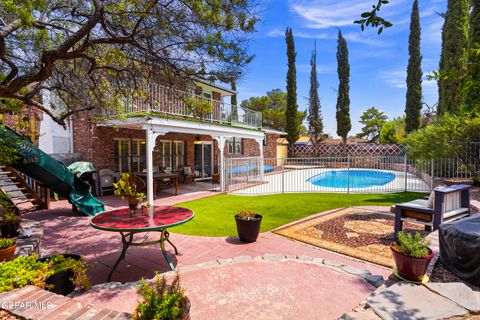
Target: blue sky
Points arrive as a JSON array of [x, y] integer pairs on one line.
[[377, 62]]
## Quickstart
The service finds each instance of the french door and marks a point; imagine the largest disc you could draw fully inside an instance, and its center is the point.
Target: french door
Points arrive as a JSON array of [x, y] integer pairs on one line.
[[203, 159]]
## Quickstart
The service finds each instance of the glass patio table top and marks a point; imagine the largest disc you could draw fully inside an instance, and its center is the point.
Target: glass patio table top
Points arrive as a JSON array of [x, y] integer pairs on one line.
[[120, 220]]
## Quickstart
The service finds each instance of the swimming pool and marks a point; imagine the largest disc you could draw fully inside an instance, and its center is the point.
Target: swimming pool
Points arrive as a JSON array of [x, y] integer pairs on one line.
[[351, 178], [249, 168]]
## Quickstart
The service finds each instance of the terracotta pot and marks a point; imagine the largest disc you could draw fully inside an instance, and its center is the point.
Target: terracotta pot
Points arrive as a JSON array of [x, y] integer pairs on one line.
[[186, 314], [409, 267], [8, 253], [248, 230], [133, 203]]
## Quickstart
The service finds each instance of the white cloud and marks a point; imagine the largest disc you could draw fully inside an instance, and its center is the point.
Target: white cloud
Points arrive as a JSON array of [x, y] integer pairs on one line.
[[277, 32], [322, 14], [395, 78]]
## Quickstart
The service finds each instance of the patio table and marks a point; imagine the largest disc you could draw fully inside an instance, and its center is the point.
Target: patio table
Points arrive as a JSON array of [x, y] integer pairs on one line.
[[157, 219], [158, 177]]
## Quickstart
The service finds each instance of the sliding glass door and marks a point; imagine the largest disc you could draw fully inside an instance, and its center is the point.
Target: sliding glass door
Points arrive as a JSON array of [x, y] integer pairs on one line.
[[203, 159]]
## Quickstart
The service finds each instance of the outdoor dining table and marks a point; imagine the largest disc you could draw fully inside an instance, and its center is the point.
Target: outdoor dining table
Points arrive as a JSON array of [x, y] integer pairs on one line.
[[155, 219], [158, 177]]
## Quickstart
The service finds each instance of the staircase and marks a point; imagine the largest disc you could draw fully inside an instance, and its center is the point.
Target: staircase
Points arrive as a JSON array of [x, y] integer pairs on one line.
[[24, 196]]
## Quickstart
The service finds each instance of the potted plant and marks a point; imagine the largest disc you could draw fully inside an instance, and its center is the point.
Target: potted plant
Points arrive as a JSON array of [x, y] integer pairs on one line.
[[68, 271], [10, 223], [126, 188], [411, 255], [57, 273], [7, 249], [162, 302], [199, 108], [248, 225]]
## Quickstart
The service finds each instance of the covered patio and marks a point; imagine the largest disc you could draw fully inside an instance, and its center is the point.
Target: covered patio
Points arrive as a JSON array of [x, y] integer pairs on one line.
[[155, 127]]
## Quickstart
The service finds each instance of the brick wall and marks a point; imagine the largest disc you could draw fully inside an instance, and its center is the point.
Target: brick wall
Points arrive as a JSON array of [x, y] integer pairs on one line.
[[11, 120]]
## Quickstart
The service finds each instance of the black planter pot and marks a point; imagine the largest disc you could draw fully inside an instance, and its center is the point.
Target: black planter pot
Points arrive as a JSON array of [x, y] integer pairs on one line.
[[61, 282], [10, 230], [248, 230]]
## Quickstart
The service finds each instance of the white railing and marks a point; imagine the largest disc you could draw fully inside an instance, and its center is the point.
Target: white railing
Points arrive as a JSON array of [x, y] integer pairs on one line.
[[164, 100], [341, 174]]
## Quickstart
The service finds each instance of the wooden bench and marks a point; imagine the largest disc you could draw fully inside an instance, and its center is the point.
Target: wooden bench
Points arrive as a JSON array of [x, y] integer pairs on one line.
[[450, 203]]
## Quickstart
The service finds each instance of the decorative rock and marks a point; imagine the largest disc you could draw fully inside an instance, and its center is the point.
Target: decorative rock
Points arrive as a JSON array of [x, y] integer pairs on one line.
[[332, 263], [458, 293], [242, 258], [362, 315], [210, 263], [305, 258], [355, 271], [408, 301], [224, 261], [374, 280], [318, 260], [273, 257]]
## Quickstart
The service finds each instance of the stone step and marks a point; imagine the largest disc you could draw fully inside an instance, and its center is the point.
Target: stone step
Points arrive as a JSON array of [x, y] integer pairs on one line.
[[31, 302]]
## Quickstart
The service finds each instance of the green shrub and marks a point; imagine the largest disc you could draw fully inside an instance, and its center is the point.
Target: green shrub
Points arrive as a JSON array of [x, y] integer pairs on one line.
[[415, 246], [6, 243], [160, 302], [23, 271]]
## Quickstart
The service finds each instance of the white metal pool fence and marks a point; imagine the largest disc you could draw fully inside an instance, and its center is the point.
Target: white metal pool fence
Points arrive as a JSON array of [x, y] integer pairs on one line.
[[359, 174]]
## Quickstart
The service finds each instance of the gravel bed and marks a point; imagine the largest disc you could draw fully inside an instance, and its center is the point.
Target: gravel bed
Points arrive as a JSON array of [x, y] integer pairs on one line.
[[4, 315], [441, 274]]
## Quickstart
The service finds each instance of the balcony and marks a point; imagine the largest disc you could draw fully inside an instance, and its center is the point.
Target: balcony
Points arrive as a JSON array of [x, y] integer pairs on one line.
[[166, 101]]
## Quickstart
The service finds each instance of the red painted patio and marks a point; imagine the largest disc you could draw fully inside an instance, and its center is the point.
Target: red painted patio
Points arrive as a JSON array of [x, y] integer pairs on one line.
[[65, 231]]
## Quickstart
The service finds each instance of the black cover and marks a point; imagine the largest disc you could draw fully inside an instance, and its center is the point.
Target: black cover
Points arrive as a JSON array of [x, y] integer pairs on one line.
[[460, 248]]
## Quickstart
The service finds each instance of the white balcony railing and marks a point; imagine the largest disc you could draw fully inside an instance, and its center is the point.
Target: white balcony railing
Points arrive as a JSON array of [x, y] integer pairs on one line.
[[168, 101]]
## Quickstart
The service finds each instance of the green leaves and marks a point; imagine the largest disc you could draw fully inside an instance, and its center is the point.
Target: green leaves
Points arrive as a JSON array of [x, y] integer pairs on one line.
[[371, 18], [413, 245]]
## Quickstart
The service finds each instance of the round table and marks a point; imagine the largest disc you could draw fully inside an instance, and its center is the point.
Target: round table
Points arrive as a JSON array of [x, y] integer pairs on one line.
[[157, 219]]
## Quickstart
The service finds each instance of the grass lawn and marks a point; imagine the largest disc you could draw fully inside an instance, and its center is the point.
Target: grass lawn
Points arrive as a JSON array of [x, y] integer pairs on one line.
[[214, 215]]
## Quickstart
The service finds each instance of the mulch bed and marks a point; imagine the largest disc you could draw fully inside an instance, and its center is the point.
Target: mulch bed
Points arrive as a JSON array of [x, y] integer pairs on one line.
[[442, 274], [4, 315], [354, 232]]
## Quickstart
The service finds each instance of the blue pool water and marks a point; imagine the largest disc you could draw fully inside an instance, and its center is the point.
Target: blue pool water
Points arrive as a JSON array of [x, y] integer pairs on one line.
[[358, 178], [250, 167]]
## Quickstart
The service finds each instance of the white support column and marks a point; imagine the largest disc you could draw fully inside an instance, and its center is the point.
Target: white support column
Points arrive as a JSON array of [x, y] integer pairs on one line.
[[221, 160], [262, 162], [151, 138]]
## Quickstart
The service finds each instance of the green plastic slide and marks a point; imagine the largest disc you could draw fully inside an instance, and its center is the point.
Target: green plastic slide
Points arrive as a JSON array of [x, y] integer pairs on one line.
[[51, 173]]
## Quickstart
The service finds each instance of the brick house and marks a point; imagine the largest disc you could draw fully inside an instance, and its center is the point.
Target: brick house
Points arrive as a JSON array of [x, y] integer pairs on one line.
[[164, 131]]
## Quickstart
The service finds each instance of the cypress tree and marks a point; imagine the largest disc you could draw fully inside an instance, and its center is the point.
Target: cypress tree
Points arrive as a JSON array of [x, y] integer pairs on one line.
[[453, 57], [315, 122], [413, 105], [472, 94], [344, 123], [292, 125]]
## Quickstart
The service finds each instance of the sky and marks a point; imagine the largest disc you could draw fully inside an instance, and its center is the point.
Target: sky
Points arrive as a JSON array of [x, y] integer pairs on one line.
[[377, 62]]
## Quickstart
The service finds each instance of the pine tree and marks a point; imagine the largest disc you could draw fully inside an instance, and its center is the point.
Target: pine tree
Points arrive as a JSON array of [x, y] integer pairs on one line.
[[344, 124], [453, 57], [315, 121], [472, 94], [413, 105], [292, 125]]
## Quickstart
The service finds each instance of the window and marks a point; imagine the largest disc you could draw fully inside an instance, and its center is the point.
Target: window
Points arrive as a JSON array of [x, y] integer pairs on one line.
[[129, 155], [172, 154], [234, 145]]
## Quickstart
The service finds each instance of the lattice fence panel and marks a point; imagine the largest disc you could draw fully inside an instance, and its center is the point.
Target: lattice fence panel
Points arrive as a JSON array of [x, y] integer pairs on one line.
[[371, 149]]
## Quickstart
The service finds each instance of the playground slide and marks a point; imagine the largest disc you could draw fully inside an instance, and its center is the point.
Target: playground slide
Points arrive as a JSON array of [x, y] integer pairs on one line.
[[51, 173]]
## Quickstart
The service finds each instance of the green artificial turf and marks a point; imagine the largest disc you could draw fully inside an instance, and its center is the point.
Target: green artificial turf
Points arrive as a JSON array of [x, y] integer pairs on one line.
[[214, 216]]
